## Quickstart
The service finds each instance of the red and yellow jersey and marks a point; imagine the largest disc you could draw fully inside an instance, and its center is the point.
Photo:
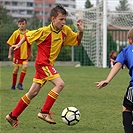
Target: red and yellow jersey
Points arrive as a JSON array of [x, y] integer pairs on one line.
[[50, 42], [24, 51]]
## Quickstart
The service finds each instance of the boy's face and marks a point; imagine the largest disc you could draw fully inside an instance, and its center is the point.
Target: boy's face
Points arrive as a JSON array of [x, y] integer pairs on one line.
[[59, 21], [22, 25], [130, 41]]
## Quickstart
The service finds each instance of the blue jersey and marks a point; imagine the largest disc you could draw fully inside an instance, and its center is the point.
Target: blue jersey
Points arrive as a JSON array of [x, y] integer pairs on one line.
[[126, 57]]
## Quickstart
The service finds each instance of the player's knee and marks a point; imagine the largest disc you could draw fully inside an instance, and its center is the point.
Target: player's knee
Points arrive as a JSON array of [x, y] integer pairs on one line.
[[124, 109], [61, 85], [35, 93], [15, 71], [32, 95], [24, 67]]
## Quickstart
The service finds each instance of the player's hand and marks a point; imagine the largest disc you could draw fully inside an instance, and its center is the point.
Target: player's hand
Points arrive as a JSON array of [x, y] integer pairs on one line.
[[31, 56], [9, 57], [80, 25], [102, 84], [14, 47]]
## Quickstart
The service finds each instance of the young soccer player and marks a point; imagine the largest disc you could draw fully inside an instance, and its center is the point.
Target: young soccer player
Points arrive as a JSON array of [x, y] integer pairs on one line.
[[21, 55], [124, 57], [49, 39], [112, 58]]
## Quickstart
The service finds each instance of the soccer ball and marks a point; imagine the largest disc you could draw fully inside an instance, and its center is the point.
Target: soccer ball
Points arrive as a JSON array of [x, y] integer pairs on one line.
[[70, 116]]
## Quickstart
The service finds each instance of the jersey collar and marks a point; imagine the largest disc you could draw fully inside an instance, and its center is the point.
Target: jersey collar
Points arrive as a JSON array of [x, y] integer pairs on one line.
[[53, 29], [21, 32]]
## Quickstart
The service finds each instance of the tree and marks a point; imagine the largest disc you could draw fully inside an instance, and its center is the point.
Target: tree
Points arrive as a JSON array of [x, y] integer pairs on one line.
[[7, 26], [34, 23], [125, 14], [88, 4], [123, 6]]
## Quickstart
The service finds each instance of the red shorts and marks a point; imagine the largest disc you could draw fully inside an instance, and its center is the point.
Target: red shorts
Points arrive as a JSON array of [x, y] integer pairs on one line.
[[20, 62], [45, 73]]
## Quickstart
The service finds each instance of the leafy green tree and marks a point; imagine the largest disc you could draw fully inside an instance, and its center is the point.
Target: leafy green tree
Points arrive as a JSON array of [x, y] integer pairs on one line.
[[123, 6], [34, 23], [88, 4], [7, 26], [124, 18]]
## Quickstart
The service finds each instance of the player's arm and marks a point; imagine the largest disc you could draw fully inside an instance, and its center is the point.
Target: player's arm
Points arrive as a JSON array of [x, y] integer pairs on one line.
[[19, 44], [31, 55], [10, 53], [80, 28], [112, 73]]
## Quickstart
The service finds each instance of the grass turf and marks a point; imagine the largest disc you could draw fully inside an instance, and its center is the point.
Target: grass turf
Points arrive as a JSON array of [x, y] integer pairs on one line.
[[100, 109]]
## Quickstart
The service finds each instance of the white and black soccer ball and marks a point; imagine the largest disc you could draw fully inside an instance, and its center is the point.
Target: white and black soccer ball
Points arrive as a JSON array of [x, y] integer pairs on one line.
[[70, 116]]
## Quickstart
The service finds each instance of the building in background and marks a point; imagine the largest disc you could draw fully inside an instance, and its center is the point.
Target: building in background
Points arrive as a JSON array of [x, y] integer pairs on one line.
[[67, 3], [40, 8], [18, 9]]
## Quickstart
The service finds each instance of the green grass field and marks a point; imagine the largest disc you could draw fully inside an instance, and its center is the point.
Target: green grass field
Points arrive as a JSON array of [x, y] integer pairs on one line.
[[100, 109]]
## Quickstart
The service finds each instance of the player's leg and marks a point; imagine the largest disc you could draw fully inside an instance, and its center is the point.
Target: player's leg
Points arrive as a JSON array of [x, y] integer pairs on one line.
[[53, 94], [24, 101], [22, 74], [50, 100], [127, 120], [127, 111], [51, 75], [14, 77]]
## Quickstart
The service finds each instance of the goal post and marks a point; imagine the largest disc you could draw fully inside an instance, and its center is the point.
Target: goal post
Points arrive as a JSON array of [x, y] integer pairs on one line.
[[104, 65], [96, 22]]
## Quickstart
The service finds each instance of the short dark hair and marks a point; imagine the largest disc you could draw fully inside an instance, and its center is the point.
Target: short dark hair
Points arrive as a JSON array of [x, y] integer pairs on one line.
[[22, 20], [130, 34], [58, 9]]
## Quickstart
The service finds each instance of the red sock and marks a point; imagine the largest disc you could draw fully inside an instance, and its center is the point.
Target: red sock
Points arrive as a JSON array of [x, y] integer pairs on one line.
[[14, 78], [22, 75], [51, 98], [22, 104]]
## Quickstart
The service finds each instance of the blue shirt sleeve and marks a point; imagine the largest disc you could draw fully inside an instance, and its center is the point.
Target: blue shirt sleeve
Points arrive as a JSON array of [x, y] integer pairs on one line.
[[120, 58]]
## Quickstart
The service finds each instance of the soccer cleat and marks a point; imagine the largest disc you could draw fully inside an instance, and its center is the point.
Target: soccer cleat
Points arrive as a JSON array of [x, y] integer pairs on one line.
[[19, 86], [14, 123], [12, 88], [46, 117]]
